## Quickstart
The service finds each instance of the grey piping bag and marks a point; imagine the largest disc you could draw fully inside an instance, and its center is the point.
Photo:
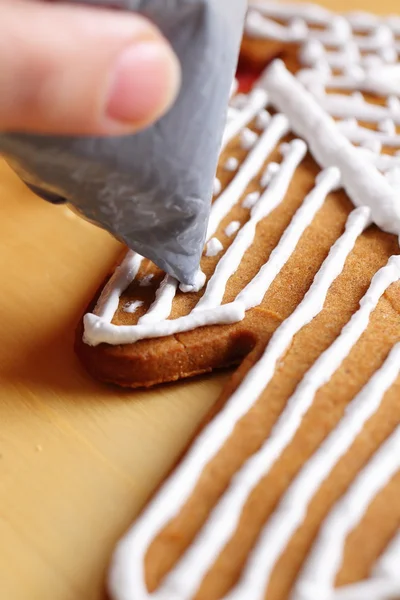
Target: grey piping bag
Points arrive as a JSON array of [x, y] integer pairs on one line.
[[152, 190]]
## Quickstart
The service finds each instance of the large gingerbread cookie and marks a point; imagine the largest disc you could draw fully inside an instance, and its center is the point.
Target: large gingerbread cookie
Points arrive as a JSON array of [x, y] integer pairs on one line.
[[291, 491]]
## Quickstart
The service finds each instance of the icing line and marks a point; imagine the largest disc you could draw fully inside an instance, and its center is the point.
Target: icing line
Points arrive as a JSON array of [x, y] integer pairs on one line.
[[348, 512], [232, 258], [362, 182], [257, 100], [317, 469], [249, 169], [122, 277]]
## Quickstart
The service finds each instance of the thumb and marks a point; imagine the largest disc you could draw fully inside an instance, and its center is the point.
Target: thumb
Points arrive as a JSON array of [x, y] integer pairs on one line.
[[75, 70]]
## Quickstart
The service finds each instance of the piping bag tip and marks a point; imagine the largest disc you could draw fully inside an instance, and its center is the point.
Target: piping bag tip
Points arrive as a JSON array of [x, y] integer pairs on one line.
[[153, 189]]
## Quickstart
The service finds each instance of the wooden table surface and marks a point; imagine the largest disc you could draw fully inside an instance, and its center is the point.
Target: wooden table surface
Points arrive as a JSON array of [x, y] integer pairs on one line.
[[77, 459]]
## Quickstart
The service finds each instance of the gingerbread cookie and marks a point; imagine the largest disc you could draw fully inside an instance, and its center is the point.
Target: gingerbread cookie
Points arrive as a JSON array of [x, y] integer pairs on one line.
[[291, 490]]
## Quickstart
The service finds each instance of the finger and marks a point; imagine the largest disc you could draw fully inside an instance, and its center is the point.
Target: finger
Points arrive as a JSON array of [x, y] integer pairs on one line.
[[75, 70]]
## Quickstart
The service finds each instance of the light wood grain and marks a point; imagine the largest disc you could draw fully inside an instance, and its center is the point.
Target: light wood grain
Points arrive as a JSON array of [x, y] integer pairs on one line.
[[77, 459]]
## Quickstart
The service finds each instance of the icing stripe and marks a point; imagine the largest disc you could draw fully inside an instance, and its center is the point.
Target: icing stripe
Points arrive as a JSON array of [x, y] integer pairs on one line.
[[376, 82], [339, 30], [344, 107], [388, 563], [294, 503], [315, 15], [232, 258], [372, 589], [257, 100], [384, 583], [325, 558], [262, 559], [256, 25], [249, 169], [122, 277], [363, 183], [161, 308], [180, 484], [357, 134], [101, 331], [253, 294], [336, 32]]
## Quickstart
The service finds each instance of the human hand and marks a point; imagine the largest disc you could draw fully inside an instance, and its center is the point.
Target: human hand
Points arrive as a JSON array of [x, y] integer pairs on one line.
[[80, 71]]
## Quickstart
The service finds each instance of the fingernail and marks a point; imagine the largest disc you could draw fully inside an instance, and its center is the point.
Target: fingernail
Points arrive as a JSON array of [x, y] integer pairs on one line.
[[145, 83]]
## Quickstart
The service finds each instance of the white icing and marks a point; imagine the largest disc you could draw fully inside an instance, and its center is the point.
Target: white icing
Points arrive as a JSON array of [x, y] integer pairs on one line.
[[344, 107], [217, 187], [249, 169], [214, 247], [387, 126], [131, 307], [248, 138], [393, 103], [297, 498], [253, 294], [337, 30], [154, 324], [383, 162], [375, 146], [371, 589], [122, 277], [269, 173], [262, 119], [258, 26], [312, 13], [231, 164], [382, 80], [341, 31], [146, 280], [284, 148], [234, 88], [384, 583], [388, 563], [358, 135], [363, 183], [239, 101], [255, 102], [323, 563], [314, 54], [251, 199], [162, 305], [232, 114], [232, 228], [101, 331], [199, 281], [393, 177], [358, 174], [266, 204]]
